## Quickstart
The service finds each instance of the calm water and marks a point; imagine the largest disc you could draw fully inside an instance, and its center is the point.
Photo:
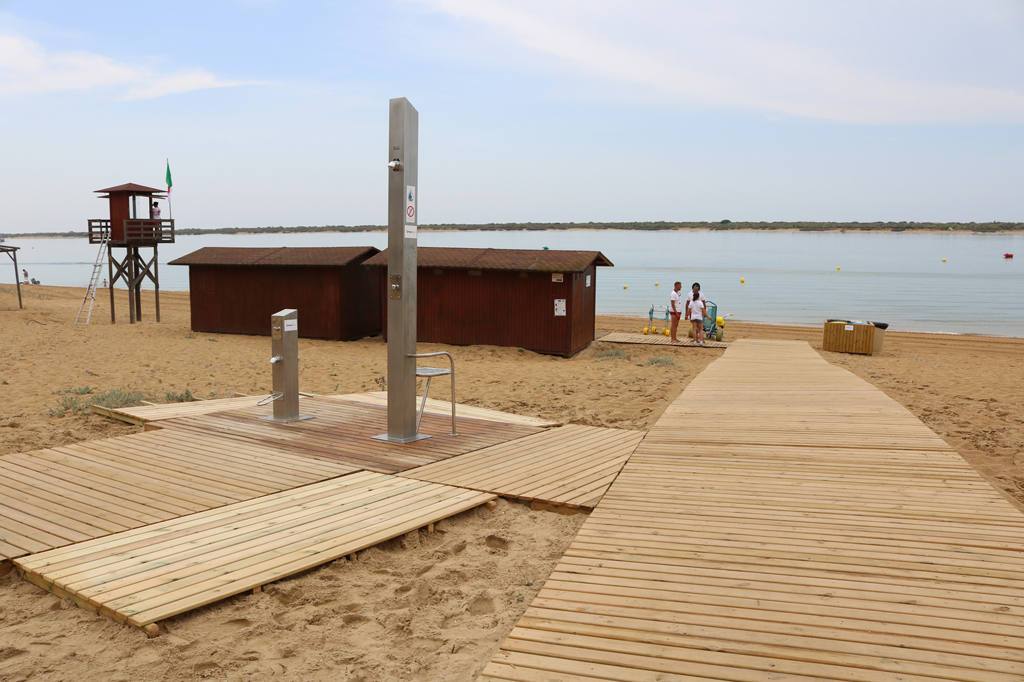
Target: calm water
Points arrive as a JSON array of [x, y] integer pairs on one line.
[[899, 278]]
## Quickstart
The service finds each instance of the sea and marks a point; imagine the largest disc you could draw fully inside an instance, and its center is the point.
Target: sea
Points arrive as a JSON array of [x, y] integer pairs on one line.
[[916, 281]]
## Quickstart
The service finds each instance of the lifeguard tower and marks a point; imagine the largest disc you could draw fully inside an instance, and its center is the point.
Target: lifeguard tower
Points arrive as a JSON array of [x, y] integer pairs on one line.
[[127, 229]]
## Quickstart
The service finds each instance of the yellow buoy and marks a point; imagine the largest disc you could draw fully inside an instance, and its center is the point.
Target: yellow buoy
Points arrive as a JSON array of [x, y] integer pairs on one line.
[[838, 268], [625, 286], [657, 284], [743, 280], [945, 260]]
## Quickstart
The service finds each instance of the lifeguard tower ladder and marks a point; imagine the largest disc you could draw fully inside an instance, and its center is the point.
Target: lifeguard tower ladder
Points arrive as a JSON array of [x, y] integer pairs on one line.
[[126, 229]]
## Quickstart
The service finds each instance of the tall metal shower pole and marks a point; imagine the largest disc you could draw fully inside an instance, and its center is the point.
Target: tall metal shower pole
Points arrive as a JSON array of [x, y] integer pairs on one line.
[[403, 218]]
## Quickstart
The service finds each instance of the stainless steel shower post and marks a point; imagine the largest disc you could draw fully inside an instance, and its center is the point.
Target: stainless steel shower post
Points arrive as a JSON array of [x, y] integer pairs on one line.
[[403, 219]]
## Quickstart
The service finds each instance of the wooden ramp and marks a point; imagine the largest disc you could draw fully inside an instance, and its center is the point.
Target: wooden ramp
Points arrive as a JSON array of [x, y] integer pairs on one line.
[[149, 574], [343, 430], [833, 556], [570, 465], [54, 497], [144, 414], [659, 340]]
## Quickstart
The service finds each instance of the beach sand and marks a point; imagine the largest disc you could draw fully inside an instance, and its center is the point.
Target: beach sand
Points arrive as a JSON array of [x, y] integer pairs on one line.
[[423, 607]]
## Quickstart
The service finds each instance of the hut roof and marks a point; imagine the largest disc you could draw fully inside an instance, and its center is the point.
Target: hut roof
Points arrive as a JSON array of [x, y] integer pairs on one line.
[[537, 260], [278, 256], [132, 187]]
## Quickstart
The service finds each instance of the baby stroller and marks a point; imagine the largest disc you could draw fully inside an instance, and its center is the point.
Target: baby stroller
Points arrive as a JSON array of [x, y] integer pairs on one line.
[[712, 330]]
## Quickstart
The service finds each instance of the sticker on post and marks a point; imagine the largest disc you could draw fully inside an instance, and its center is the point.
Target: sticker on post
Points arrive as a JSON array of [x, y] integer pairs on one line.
[[291, 325], [559, 307], [410, 211], [557, 277], [848, 328], [588, 281]]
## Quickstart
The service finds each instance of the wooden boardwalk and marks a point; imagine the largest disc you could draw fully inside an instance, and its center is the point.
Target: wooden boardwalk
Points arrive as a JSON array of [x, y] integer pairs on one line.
[[659, 340], [836, 540], [149, 574], [342, 430], [570, 465], [54, 497]]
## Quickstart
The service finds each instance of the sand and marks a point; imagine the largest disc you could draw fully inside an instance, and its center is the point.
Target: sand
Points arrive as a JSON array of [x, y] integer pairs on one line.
[[425, 607]]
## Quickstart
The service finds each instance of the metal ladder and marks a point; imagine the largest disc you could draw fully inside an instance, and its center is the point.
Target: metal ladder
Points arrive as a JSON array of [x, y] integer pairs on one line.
[[89, 302]]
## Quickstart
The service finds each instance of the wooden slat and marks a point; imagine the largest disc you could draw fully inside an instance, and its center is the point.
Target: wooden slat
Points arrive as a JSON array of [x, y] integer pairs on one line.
[[148, 574], [784, 519], [53, 497], [443, 408], [569, 465]]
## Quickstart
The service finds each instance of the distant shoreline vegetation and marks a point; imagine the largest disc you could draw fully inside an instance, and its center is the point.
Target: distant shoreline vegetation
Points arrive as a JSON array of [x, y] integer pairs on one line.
[[648, 226]]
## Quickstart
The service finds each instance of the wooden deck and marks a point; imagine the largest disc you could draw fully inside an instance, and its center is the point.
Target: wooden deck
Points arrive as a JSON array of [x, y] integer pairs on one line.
[[54, 497], [145, 414], [659, 340], [342, 431], [570, 465], [149, 574], [836, 548]]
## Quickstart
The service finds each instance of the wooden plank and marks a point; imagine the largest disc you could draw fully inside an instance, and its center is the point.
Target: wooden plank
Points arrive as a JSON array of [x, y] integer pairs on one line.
[[149, 574], [784, 519], [570, 465], [443, 408]]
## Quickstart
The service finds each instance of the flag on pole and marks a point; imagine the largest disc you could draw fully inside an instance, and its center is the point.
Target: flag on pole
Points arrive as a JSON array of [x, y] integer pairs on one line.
[[170, 183]]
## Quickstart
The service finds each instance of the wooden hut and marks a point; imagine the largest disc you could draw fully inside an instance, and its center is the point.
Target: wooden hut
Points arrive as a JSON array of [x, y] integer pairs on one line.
[[236, 290], [540, 300]]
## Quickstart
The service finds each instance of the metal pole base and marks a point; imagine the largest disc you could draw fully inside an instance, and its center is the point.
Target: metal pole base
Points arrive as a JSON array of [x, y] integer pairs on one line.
[[286, 420], [388, 438]]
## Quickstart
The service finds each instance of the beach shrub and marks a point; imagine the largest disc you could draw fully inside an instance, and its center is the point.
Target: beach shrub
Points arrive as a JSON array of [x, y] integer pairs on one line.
[[183, 397], [611, 353], [72, 401], [661, 360]]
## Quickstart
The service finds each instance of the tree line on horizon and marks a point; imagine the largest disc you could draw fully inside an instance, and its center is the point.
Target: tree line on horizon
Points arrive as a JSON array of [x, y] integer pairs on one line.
[[802, 226]]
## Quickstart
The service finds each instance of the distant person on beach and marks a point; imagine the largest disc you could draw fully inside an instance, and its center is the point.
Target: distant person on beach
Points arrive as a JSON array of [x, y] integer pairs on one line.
[[24, 275], [695, 311], [155, 211], [675, 309]]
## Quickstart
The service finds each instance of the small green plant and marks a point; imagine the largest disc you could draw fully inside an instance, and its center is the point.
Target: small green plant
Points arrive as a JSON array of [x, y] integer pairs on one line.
[[660, 360], [183, 397], [72, 402], [610, 353]]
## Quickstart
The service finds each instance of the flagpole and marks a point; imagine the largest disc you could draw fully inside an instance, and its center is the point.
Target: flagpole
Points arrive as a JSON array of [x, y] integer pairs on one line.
[[170, 207]]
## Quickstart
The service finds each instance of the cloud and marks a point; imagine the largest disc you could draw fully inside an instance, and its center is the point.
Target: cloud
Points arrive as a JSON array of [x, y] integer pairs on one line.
[[28, 68], [860, 63]]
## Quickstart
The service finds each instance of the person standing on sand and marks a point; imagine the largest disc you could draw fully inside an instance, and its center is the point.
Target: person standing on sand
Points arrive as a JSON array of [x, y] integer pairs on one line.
[[695, 311], [675, 309]]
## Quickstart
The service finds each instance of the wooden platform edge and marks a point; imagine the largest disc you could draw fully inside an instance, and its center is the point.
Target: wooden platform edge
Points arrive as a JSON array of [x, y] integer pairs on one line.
[[153, 629], [117, 415]]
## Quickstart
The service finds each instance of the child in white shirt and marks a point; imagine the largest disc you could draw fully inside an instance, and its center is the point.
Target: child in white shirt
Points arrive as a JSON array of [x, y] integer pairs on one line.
[[695, 310]]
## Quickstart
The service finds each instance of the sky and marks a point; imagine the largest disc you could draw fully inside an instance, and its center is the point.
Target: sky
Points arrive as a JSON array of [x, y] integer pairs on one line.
[[275, 112]]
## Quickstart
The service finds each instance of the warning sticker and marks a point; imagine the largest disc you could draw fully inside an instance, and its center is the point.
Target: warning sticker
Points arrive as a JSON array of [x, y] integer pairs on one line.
[[291, 325], [410, 211], [559, 307]]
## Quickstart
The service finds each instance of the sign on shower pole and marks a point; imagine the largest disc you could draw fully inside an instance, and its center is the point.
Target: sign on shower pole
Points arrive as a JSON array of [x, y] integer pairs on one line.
[[403, 219]]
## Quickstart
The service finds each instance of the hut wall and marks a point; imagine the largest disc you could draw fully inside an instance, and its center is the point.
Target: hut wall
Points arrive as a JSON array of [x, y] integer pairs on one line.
[[240, 300], [502, 308]]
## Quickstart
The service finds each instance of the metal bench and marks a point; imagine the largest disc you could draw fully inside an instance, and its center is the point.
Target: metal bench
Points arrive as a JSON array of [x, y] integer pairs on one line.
[[429, 373]]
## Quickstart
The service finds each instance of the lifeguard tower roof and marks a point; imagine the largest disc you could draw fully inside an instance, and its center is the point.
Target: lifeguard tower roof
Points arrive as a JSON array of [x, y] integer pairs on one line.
[[130, 188]]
